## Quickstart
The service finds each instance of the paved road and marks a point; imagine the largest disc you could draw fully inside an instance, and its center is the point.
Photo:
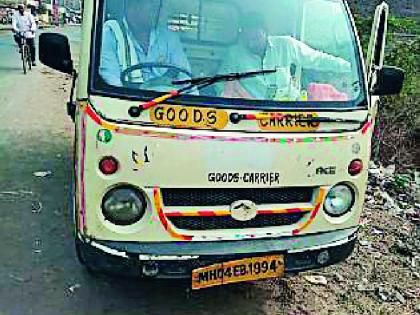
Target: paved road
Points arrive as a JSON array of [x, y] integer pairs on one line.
[[39, 273]]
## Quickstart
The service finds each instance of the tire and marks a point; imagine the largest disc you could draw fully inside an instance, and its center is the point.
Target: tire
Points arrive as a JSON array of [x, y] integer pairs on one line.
[[81, 257], [71, 210], [28, 57], [23, 55]]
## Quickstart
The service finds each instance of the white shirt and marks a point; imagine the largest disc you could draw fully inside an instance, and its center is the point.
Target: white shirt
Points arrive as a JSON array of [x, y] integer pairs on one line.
[[164, 48], [282, 52], [24, 24]]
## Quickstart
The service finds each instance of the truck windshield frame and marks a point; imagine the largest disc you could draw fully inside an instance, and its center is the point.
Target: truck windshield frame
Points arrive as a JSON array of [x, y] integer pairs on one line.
[[98, 86]]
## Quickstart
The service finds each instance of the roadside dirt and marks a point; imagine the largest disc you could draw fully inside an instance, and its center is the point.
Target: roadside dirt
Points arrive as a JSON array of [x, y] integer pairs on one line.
[[382, 276]]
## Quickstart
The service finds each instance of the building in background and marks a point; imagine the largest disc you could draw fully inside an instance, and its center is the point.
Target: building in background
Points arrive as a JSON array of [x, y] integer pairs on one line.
[[49, 12]]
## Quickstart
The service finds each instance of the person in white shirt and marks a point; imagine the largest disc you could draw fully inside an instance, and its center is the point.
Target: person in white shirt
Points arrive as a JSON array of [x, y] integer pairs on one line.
[[23, 24], [258, 50], [137, 39]]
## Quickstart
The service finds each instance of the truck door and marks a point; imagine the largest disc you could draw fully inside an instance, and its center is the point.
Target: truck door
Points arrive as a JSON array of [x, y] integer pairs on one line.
[[376, 49]]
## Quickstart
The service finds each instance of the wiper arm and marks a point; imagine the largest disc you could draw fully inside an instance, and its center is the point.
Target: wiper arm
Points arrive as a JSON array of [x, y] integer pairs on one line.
[[223, 77], [198, 83]]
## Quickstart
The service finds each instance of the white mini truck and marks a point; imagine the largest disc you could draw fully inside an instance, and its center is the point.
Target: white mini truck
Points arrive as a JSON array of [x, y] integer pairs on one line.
[[198, 156]]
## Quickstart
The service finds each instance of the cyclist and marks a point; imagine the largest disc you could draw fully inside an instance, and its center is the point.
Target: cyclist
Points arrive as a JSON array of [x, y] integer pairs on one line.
[[24, 25]]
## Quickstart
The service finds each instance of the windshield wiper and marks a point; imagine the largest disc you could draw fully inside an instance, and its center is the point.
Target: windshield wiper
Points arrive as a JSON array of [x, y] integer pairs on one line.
[[223, 77], [198, 83]]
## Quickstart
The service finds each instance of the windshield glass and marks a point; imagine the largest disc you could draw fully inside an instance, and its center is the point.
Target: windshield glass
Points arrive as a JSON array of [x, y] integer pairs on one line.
[[143, 46]]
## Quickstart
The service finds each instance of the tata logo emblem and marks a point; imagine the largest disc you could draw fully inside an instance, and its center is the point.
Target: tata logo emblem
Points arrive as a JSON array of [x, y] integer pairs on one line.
[[243, 210]]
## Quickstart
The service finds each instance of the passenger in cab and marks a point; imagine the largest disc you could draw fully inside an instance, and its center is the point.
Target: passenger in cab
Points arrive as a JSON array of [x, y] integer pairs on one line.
[[136, 39], [259, 51]]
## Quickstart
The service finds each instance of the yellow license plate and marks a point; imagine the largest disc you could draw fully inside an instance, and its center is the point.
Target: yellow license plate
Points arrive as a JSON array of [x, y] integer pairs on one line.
[[189, 117], [248, 269]]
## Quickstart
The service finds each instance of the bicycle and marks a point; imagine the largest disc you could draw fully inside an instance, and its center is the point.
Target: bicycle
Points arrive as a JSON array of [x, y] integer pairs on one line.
[[25, 53]]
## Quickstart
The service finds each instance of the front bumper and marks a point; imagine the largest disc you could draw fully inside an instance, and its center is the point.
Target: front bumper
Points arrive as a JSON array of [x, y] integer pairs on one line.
[[177, 260]]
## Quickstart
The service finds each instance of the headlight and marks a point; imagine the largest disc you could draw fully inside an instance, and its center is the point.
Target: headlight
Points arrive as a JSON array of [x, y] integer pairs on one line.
[[339, 200], [123, 205]]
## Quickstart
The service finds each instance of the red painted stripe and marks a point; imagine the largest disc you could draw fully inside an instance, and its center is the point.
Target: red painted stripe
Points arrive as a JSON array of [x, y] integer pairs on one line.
[[297, 210], [250, 117], [366, 127], [215, 213], [266, 212], [207, 213], [93, 115], [160, 99], [186, 237], [148, 105], [174, 214], [159, 209], [315, 212]]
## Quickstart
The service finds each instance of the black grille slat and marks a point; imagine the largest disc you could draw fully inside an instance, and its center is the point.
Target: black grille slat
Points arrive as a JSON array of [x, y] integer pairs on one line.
[[191, 197], [223, 223]]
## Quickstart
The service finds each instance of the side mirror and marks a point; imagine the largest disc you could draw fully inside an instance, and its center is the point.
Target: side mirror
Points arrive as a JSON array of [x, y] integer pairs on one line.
[[54, 52], [389, 81]]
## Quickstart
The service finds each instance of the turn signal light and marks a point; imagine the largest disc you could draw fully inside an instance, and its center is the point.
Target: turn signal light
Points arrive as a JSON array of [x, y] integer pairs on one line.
[[108, 165], [355, 167]]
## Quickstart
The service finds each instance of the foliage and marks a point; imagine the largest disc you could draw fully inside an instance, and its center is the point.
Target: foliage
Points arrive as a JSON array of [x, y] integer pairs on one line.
[[399, 117], [42, 9]]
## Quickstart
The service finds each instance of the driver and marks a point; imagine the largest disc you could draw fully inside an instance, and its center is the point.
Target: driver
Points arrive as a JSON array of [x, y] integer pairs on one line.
[[259, 51], [137, 39]]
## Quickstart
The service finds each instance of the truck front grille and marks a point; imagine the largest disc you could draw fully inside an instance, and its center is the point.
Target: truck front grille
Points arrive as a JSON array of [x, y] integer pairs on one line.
[[193, 197], [227, 222]]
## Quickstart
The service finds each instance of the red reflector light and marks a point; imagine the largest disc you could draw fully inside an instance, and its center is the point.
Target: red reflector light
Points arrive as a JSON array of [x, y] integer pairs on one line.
[[108, 165], [355, 167]]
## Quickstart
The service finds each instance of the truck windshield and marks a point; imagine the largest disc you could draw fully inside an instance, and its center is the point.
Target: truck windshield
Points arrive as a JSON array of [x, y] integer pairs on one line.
[[146, 47]]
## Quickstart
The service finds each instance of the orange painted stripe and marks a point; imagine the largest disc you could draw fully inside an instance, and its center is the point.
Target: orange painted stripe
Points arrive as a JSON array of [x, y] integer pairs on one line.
[[285, 211], [109, 126], [162, 217], [197, 213], [319, 201], [222, 213]]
